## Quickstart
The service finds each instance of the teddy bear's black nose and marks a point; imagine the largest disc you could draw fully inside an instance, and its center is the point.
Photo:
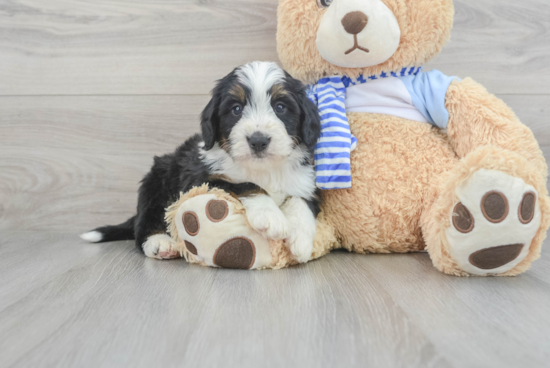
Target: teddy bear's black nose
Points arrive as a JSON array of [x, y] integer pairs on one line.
[[355, 22]]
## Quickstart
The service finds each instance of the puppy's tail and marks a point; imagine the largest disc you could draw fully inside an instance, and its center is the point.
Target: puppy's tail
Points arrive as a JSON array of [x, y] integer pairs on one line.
[[124, 231]]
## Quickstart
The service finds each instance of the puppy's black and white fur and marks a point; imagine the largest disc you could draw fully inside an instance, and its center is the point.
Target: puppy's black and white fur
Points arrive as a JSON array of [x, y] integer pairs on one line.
[[258, 135]]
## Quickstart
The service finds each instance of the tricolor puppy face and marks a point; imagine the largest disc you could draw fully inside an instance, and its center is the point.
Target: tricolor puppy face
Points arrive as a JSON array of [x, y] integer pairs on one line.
[[260, 115]]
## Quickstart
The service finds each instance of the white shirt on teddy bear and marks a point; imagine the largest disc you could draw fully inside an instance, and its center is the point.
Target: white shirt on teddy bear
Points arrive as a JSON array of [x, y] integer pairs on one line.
[[417, 95]]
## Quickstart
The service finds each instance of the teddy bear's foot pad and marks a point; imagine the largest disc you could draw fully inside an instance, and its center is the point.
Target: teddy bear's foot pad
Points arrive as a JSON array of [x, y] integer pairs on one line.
[[236, 253], [493, 223], [217, 235], [494, 257]]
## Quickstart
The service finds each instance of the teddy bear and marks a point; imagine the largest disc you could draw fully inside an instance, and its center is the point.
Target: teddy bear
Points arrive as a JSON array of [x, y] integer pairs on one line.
[[408, 160]]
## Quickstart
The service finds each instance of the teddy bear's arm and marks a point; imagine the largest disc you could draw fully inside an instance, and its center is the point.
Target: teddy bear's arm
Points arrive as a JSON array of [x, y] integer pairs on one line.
[[478, 118]]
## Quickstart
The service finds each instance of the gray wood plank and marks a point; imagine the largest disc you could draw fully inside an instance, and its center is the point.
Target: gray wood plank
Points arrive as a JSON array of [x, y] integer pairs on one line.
[[129, 47], [492, 316], [32, 259], [52, 47], [323, 315], [501, 44], [118, 308], [117, 298], [69, 163], [74, 162]]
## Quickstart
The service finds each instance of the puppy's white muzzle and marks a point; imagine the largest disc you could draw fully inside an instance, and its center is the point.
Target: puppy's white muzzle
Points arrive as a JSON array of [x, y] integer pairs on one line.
[[358, 33]]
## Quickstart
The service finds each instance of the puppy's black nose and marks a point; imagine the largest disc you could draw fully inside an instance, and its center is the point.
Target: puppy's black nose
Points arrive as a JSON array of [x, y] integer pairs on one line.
[[258, 142]]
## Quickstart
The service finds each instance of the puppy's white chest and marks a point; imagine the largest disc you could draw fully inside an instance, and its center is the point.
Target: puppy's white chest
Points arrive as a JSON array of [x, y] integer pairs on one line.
[[280, 181], [278, 197], [299, 182]]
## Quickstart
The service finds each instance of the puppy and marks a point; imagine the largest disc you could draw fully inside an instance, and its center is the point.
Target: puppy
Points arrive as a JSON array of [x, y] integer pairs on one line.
[[258, 134]]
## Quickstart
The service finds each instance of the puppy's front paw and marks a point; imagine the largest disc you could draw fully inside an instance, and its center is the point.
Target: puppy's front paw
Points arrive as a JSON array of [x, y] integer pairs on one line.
[[300, 245], [270, 222], [160, 246]]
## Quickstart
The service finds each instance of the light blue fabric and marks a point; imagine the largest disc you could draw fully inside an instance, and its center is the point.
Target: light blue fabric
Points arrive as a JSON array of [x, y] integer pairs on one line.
[[428, 91]]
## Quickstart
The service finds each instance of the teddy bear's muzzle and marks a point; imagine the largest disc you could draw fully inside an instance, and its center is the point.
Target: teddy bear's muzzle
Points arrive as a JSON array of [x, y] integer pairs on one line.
[[354, 23], [357, 33]]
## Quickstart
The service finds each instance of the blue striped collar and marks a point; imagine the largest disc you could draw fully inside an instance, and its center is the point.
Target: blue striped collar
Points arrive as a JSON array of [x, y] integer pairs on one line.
[[414, 70]]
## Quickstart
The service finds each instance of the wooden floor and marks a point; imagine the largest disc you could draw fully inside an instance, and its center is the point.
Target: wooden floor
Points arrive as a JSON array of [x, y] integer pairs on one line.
[[90, 91]]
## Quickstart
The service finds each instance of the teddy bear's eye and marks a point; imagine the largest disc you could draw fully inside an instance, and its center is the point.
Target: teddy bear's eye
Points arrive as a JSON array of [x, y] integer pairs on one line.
[[323, 4]]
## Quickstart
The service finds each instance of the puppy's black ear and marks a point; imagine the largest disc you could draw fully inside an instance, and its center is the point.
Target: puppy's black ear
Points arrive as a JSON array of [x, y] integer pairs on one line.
[[210, 121], [311, 121]]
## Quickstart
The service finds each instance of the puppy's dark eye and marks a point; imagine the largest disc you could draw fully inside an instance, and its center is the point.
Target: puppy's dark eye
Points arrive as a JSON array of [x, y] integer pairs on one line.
[[237, 110], [323, 4], [280, 108]]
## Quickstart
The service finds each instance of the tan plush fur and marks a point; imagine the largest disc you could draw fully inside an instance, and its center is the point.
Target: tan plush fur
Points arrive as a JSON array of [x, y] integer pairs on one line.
[[478, 118], [436, 220], [404, 173], [172, 210], [425, 28], [325, 239], [381, 212]]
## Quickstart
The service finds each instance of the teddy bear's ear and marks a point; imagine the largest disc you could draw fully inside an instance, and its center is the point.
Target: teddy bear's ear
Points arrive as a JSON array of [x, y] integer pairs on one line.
[[311, 122]]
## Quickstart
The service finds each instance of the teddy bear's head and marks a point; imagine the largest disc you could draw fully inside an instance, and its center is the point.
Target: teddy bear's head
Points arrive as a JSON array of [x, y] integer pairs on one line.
[[317, 38]]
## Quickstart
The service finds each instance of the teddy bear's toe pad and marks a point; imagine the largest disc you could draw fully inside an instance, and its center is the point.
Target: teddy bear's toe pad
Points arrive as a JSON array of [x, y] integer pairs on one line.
[[216, 210], [217, 235], [494, 206], [235, 253], [463, 220], [190, 247], [527, 208], [191, 223], [493, 223]]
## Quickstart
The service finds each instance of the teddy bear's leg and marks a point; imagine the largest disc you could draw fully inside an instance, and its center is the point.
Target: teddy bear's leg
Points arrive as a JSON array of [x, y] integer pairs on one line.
[[477, 119], [490, 216], [214, 231], [493, 213]]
